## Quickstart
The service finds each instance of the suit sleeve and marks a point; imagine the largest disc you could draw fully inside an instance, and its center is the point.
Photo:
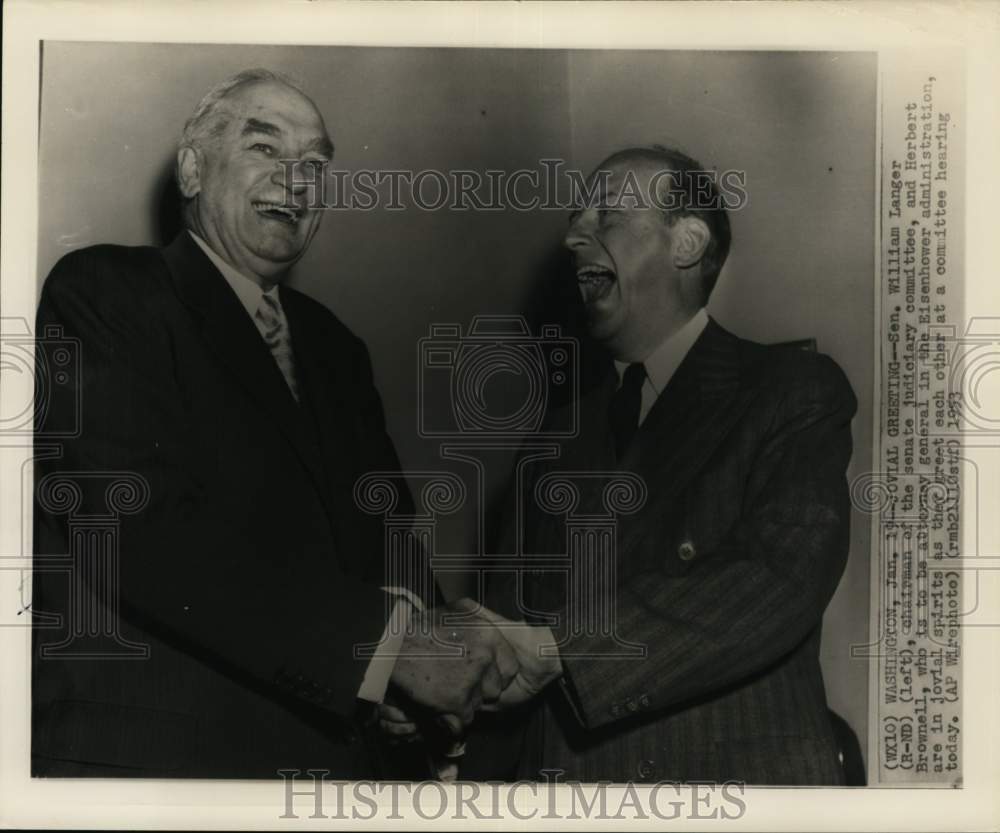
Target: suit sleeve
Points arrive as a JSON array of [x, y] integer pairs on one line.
[[764, 589], [186, 573]]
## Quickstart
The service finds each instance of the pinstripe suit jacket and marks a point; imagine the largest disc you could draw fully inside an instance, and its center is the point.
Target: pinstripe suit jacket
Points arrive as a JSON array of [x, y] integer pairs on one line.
[[251, 573], [722, 577]]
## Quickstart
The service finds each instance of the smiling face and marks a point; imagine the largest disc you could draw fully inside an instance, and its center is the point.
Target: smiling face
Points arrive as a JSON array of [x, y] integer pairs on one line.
[[241, 205], [637, 284]]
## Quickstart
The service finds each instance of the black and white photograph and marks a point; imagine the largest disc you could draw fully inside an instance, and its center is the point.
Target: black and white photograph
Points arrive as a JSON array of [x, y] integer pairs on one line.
[[516, 425]]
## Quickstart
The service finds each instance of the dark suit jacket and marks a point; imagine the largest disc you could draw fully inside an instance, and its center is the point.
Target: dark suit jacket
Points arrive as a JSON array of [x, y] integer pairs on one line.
[[250, 573], [723, 576]]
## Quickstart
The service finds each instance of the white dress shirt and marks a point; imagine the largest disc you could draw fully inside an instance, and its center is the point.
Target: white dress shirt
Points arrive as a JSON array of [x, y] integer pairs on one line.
[[663, 362], [249, 292], [376, 679]]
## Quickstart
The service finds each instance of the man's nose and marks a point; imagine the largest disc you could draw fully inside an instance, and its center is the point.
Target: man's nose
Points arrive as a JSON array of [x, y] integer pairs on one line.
[[580, 231], [291, 177]]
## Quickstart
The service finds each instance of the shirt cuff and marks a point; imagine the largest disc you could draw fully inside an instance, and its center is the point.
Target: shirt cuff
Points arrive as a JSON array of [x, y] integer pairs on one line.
[[376, 679], [548, 640], [409, 595]]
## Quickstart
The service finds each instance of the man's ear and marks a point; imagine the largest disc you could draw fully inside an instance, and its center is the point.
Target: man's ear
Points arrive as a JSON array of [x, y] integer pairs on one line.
[[691, 238], [188, 172]]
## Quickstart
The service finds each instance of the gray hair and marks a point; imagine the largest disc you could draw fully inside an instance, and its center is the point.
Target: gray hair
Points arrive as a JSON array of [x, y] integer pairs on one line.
[[208, 122]]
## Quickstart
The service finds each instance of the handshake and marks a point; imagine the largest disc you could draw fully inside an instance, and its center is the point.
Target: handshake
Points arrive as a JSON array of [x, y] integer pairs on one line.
[[445, 673]]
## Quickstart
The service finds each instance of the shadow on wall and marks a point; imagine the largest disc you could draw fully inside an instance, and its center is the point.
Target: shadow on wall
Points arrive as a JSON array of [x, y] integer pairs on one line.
[[167, 207], [554, 299]]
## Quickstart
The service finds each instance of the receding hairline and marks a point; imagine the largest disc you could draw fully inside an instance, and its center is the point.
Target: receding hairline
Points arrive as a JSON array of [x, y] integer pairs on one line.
[[674, 161], [631, 156], [222, 103], [215, 113], [229, 104]]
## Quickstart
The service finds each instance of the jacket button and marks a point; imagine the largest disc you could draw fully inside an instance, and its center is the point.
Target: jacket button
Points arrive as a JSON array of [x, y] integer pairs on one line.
[[686, 551], [644, 701], [646, 770], [632, 706]]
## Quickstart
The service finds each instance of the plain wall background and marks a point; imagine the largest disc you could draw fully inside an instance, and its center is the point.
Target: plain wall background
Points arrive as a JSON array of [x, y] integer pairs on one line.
[[802, 126]]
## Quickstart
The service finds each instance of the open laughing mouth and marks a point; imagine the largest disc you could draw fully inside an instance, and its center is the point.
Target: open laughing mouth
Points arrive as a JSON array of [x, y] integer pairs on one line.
[[595, 281], [276, 211]]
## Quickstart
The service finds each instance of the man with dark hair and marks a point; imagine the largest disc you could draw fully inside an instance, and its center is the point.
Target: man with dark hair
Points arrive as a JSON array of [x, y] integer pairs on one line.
[[681, 187], [695, 656], [211, 619]]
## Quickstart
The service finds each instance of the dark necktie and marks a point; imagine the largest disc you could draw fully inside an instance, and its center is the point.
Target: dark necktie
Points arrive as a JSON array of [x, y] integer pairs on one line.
[[625, 405]]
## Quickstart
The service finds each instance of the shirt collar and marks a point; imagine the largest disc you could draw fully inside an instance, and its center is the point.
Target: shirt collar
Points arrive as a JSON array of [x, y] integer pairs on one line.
[[246, 290], [663, 362]]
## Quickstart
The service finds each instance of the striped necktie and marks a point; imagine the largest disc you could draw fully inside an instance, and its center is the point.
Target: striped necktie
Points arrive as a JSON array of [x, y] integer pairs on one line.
[[270, 320]]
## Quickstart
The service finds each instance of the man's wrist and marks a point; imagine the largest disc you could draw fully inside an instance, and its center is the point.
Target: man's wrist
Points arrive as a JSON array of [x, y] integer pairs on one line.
[[390, 648], [406, 593]]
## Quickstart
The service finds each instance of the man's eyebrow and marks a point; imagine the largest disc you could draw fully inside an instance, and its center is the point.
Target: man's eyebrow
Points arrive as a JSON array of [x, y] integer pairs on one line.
[[321, 145], [257, 126]]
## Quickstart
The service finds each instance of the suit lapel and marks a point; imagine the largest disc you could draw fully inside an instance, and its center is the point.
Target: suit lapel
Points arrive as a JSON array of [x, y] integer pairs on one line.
[[703, 401], [232, 336], [320, 389]]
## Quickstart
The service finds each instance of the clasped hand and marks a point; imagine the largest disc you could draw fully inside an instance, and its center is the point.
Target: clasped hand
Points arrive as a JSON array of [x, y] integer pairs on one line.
[[483, 663]]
